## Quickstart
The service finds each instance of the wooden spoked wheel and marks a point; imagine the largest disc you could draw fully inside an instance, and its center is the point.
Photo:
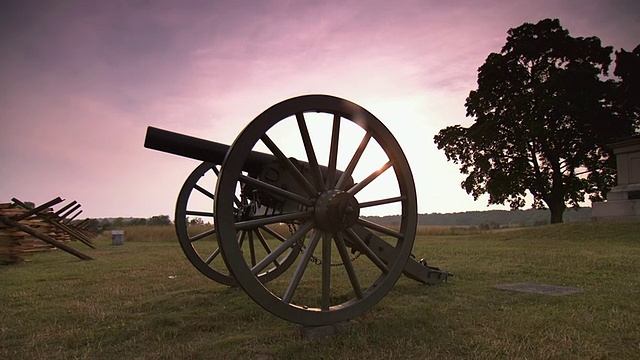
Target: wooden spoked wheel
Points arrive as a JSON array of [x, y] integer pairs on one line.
[[196, 233], [354, 166]]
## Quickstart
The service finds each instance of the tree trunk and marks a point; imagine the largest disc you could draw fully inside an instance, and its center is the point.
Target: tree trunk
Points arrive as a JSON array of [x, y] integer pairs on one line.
[[556, 203], [557, 210]]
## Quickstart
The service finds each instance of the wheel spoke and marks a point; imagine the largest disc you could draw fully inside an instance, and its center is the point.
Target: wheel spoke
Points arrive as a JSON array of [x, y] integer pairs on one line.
[[199, 213], [202, 235], [311, 155], [289, 165], [241, 237], [252, 249], [374, 175], [265, 245], [333, 151], [380, 228], [302, 266], [204, 191], [354, 161], [360, 245], [212, 256], [304, 229], [326, 272], [273, 233], [382, 201], [276, 190], [215, 170], [273, 220], [348, 265]]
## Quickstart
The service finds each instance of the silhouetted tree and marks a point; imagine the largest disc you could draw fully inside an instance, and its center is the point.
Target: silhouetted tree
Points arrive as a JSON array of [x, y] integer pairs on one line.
[[159, 220], [543, 118], [93, 225], [628, 69], [196, 221], [117, 223], [138, 221]]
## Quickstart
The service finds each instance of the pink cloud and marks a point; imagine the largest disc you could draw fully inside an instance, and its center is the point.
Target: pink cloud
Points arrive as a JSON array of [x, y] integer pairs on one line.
[[81, 81]]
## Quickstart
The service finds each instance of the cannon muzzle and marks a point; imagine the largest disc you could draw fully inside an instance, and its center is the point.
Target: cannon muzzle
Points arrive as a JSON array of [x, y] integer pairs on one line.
[[199, 149]]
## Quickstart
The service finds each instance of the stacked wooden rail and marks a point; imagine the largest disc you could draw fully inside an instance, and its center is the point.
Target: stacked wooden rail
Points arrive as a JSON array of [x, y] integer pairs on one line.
[[25, 229]]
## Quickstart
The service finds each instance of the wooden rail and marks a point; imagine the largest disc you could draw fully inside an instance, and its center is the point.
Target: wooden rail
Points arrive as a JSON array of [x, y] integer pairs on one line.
[[25, 229]]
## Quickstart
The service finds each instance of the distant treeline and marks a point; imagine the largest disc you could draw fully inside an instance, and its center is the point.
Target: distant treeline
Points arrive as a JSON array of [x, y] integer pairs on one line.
[[491, 218], [102, 224]]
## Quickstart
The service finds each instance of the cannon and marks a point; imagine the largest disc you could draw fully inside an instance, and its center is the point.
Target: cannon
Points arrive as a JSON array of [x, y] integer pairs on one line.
[[284, 202]]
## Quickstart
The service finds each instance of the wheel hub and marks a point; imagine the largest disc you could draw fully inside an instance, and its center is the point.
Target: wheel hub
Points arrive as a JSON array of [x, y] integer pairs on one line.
[[336, 210]]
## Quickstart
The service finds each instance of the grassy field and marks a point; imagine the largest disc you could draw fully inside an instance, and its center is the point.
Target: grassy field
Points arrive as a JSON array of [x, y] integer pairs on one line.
[[144, 300]]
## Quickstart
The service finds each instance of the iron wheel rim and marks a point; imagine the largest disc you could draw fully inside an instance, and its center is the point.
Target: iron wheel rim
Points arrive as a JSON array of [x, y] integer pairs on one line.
[[281, 305]]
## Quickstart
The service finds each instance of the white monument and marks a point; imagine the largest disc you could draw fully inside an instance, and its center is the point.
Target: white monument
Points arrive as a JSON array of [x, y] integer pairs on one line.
[[623, 201]]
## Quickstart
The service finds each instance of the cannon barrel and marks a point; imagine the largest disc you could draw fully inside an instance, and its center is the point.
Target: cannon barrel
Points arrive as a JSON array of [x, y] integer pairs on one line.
[[199, 149]]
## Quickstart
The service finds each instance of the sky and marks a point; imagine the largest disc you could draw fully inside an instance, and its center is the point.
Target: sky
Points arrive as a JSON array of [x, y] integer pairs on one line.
[[80, 81]]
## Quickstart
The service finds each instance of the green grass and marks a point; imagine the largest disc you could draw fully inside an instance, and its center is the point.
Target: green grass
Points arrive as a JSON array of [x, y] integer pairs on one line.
[[142, 233], [434, 230], [144, 300]]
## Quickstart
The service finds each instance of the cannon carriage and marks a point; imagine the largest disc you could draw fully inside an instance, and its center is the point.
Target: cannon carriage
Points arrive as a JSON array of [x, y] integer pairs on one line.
[[276, 176]]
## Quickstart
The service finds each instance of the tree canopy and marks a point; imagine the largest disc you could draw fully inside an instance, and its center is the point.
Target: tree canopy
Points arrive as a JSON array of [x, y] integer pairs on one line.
[[544, 113], [628, 69]]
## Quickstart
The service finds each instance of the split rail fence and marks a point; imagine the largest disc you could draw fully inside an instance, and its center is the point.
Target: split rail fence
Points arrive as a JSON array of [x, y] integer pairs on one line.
[[25, 229]]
